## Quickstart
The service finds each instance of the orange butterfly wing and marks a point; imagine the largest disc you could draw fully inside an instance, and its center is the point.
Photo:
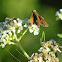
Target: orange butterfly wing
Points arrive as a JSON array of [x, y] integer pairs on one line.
[[43, 22], [31, 19]]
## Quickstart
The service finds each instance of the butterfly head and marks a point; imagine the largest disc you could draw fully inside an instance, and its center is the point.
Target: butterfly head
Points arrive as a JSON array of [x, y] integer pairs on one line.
[[35, 12]]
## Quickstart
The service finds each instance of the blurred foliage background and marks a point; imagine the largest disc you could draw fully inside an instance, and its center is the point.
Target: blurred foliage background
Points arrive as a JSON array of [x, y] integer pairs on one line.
[[31, 43]]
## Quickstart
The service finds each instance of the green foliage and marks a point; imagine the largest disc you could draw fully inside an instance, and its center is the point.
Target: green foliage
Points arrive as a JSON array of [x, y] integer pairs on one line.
[[59, 35]]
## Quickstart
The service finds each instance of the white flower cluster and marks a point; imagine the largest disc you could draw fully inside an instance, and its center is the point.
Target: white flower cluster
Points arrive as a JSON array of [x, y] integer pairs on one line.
[[47, 53], [33, 28], [8, 29], [59, 15], [26, 22], [11, 27]]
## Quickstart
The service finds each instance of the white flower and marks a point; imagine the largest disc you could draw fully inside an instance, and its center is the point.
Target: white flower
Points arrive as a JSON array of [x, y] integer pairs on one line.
[[59, 50], [34, 29], [18, 31], [31, 56], [36, 32], [25, 25], [3, 45], [41, 49], [49, 59], [26, 20], [30, 61], [31, 30], [12, 24], [7, 37], [60, 10], [3, 40], [36, 54], [60, 46], [40, 59], [4, 35], [48, 49], [20, 27], [4, 23], [8, 26], [43, 42], [10, 34], [19, 24], [12, 29], [60, 16], [18, 19], [57, 13], [54, 42], [15, 21]]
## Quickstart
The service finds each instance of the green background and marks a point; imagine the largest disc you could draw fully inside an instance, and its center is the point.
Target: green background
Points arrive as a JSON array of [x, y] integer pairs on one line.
[[31, 43]]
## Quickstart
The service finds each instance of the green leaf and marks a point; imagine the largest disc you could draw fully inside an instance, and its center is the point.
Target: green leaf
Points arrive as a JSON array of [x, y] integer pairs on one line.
[[59, 35]]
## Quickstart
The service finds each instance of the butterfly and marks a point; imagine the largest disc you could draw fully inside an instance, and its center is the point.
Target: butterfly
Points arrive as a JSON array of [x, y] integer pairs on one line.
[[38, 20]]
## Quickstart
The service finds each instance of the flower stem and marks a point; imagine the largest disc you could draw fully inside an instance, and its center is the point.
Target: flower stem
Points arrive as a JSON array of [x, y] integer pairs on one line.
[[44, 35], [43, 38], [19, 45], [22, 35]]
